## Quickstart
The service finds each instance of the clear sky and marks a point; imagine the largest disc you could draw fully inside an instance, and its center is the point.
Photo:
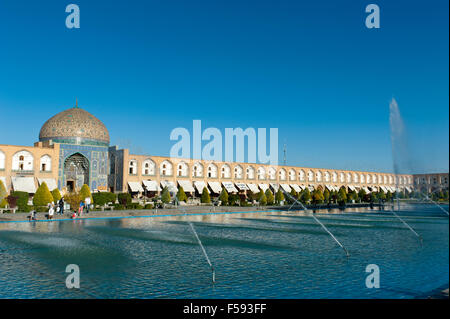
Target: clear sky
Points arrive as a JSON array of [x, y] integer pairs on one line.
[[310, 68]]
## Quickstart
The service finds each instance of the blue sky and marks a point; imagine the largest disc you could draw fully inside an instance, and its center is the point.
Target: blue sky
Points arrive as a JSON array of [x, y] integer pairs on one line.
[[310, 68]]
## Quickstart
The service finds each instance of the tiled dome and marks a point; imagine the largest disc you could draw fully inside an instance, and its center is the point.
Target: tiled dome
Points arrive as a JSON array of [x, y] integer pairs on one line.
[[75, 124]]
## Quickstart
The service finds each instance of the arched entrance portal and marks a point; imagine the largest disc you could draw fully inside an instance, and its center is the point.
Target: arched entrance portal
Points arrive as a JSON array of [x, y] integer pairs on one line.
[[76, 171]]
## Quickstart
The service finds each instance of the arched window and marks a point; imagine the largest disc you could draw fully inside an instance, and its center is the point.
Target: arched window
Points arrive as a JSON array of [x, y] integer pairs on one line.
[[391, 179], [182, 169], [45, 164], [292, 175], [212, 170], [238, 172], [282, 174], [2, 160], [166, 168], [349, 178], [225, 171], [148, 167], [22, 161], [355, 178], [327, 176], [310, 176], [132, 168], [342, 177], [318, 176], [250, 171], [369, 179], [301, 175], [261, 173], [272, 173], [334, 177], [197, 170], [385, 179], [361, 178]]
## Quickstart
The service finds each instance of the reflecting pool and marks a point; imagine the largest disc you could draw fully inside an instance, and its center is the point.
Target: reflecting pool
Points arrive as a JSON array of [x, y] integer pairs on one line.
[[255, 255]]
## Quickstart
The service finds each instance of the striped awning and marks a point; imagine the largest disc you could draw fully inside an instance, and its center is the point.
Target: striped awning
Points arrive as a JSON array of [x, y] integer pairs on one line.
[[241, 186], [229, 186], [286, 188], [170, 186], [296, 188], [275, 187], [263, 187]]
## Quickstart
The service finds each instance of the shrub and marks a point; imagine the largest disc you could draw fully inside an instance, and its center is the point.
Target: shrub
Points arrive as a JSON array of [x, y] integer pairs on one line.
[[42, 197], [148, 206], [73, 199], [124, 198], [233, 200], [21, 200], [103, 198], [317, 196], [224, 197], [205, 196], [269, 197], [306, 196], [3, 195], [134, 206], [12, 201], [342, 195], [165, 195], [181, 195], [326, 195], [119, 207], [56, 195], [85, 192]]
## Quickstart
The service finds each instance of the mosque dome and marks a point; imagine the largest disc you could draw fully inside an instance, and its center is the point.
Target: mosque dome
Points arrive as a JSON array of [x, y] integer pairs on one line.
[[75, 126]]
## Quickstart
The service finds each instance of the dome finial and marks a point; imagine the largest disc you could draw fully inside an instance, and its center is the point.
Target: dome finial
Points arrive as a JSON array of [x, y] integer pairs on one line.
[[76, 102]]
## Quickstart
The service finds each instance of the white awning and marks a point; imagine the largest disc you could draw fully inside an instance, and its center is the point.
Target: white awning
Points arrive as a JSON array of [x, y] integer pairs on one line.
[[275, 187], [253, 188], [366, 190], [187, 186], [302, 187], [351, 187], [229, 186], [263, 187], [336, 188], [151, 186], [408, 189], [311, 188], [384, 189], [135, 187], [51, 183], [241, 186], [329, 187], [215, 186], [24, 184], [170, 186], [200, 185], [296, 188], [374, 188], [286, 188]]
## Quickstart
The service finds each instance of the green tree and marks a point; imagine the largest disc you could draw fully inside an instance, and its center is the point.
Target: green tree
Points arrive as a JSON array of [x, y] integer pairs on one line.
[[269, 197], [279, 196], [56, 195], [317, 196], [73, 199], [294, 193], [181, 195], [3, 195], [165, 195], [362, 195], [262, 199], [42, 197], [85, 192], [381, 195], [342, 195], [306, 196], [224, 196], [326, 195], [233, 199], [205, 196], [373, 197]]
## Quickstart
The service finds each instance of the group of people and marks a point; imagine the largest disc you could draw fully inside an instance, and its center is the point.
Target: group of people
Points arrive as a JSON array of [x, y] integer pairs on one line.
[[58, 208]]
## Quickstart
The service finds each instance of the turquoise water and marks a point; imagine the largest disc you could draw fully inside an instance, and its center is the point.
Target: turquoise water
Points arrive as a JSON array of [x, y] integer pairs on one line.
[[256, 255]]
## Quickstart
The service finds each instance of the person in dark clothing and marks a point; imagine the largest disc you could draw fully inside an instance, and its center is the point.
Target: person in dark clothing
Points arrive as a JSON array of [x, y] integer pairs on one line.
[[61, 206]]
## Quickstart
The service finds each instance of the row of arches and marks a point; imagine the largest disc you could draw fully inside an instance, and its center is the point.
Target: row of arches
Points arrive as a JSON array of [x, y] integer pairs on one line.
[[198, 169], [24, 161]]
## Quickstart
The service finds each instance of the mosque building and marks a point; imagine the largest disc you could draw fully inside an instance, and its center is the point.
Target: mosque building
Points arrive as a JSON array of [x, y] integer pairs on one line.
[[74, 149]]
